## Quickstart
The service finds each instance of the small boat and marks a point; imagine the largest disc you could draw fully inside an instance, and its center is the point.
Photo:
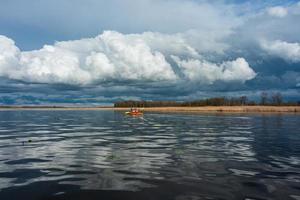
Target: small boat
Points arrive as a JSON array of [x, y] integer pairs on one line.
[[134, 112]]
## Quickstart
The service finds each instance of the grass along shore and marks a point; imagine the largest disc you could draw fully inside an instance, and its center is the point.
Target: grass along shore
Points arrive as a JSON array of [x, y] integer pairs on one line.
[[232, 109]]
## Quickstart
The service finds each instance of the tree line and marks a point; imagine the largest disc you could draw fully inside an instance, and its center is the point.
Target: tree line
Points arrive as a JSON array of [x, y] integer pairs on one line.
[[274, 99]]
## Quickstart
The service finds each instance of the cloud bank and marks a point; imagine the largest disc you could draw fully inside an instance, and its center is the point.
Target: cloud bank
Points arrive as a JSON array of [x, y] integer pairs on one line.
[[61, 19], [181, 49], [113, 56]]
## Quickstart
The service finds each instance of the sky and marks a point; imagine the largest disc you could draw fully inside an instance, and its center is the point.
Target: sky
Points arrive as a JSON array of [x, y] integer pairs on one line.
[[97, 52]]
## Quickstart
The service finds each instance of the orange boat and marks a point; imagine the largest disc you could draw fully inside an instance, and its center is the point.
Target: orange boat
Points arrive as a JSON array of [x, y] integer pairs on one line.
[[134, 112]]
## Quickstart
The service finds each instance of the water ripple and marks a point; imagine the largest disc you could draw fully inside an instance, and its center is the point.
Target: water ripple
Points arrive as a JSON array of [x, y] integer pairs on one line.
[[95, 154]]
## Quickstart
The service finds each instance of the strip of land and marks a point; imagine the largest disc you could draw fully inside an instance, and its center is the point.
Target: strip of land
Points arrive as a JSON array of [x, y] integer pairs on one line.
[[216, 109]]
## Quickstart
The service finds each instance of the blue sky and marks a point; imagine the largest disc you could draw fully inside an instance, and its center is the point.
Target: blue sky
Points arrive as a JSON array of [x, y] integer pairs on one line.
[[95, 52]]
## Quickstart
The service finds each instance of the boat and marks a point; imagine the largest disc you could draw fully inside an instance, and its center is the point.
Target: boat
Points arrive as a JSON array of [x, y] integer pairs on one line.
[[134, 112]]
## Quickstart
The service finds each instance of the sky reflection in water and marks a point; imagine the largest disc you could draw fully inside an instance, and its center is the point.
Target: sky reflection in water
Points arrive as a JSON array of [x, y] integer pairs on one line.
[[95, 154]]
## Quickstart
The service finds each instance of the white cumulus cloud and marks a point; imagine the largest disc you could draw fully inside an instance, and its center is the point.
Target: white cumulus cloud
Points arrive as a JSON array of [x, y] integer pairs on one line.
[[207, 72], [113, 57], [8, 55], [109, 56], [285, 50], [277, 11]]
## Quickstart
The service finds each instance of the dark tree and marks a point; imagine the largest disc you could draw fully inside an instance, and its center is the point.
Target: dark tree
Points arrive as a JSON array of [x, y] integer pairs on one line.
[[277, 99], [243, 100], [264, 98]]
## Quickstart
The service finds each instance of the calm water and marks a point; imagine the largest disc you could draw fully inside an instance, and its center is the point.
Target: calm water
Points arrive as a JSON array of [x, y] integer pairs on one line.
[[106, 155]]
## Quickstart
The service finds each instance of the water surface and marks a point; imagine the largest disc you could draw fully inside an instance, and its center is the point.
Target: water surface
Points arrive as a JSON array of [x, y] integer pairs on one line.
[[107, 155]]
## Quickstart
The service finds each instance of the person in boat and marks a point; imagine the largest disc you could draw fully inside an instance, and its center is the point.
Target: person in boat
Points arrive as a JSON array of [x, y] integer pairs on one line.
[[134, 110]]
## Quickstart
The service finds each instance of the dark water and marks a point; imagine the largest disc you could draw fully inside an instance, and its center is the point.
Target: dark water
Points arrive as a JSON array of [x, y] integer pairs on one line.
[[106, 155]]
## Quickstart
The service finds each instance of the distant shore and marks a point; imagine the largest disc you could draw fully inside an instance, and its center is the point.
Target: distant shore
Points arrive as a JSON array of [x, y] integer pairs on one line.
[[216, 109]]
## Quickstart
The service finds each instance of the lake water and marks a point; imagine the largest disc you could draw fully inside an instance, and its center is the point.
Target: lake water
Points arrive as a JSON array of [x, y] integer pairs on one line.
[[107, 155]]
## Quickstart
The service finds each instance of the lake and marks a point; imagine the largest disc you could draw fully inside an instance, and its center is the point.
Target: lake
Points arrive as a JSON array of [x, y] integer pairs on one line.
[[107, 155]]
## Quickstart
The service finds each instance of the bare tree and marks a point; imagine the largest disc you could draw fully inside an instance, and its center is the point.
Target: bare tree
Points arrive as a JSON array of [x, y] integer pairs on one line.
[[264, 98], [277, 98], [243, 100]]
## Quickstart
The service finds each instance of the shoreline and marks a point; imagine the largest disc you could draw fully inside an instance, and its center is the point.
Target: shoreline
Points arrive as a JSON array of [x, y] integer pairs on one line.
[[209, 109]]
